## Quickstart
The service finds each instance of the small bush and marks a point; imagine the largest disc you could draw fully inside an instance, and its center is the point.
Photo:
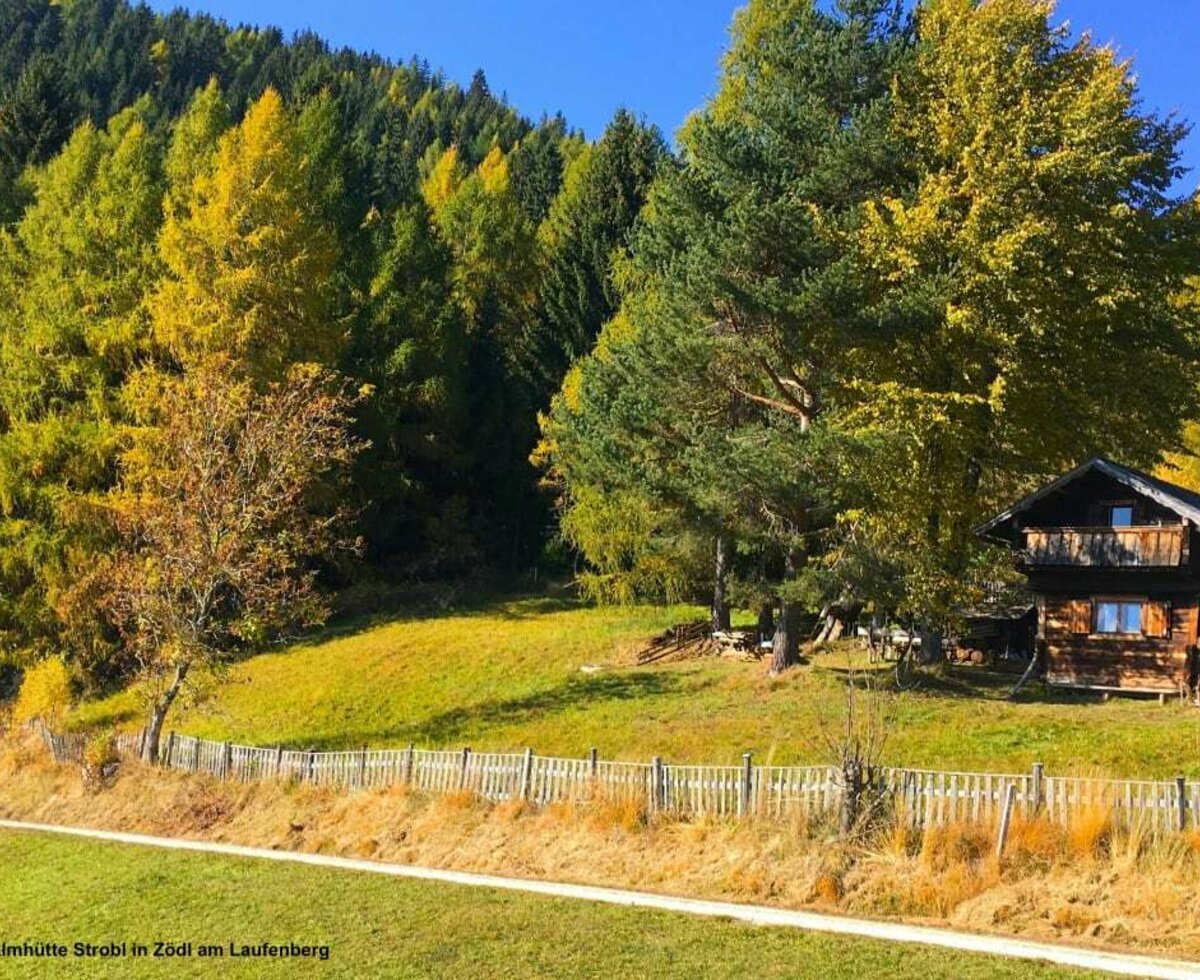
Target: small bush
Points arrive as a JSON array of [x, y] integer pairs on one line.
[[45, 693], [100, 761]]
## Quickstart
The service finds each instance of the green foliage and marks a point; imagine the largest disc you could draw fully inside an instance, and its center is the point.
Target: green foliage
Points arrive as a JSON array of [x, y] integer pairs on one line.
[[887, 249], [255, 199], [409, 345], [36, 116], [604, 191]]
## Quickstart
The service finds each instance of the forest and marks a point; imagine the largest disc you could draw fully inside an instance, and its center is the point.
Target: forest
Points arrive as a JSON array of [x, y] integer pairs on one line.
[[279, 318]]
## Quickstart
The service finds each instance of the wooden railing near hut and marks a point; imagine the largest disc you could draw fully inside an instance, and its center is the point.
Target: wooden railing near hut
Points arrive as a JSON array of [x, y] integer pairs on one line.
[[1158, 546]]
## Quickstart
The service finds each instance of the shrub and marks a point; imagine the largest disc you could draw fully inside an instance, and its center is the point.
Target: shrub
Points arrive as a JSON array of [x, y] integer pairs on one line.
[[45, 693], [100, 761]]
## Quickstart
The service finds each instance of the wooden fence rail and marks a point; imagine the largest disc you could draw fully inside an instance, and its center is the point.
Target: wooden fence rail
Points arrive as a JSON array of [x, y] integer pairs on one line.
[[919, 796]]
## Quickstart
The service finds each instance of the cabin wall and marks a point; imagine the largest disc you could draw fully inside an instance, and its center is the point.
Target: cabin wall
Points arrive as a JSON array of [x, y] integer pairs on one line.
[[1136, 663]]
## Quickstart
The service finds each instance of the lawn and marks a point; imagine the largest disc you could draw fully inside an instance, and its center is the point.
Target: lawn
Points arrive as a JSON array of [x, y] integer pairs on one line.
[[508, 674], [69, 891]]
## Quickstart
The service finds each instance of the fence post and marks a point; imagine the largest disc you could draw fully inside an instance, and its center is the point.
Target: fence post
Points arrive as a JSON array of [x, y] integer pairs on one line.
[[141, 744], [1181, 798], [278, 760], [362, 768], [1039, 791], [170, 749], [408, 764], [1010, 795], [656, 781], [526, 774], [312, 763], [747, 780], [593, 761], [462, 774]]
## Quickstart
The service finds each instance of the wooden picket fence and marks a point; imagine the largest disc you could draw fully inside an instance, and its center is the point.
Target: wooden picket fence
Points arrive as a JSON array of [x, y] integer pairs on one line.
[[921, 797]]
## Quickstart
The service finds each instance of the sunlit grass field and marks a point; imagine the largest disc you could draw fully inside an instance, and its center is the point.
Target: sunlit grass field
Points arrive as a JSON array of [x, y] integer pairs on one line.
[[83, 891], [509, 673]]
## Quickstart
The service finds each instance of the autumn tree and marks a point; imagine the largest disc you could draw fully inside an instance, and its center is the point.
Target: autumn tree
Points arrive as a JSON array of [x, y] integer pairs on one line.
[[1033, 261], [74, 274], [225, 501], [249, 262]]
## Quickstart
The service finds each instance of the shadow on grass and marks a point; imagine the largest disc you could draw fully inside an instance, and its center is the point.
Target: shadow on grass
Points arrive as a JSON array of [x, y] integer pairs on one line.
[[952, 681], [455, 726]]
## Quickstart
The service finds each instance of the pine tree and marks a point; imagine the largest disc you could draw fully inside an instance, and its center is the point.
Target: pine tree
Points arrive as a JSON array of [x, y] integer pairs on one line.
[[410, 347], [591, 219]]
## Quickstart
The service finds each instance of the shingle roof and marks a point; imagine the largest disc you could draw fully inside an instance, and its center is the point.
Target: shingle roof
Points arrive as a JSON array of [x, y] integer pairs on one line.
[[1177, 499]]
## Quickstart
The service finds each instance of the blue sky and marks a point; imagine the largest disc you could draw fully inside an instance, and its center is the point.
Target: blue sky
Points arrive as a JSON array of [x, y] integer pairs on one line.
[[660, 57]]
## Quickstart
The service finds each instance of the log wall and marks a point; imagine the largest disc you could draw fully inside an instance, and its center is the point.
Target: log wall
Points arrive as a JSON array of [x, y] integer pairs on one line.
[[1135, 663]]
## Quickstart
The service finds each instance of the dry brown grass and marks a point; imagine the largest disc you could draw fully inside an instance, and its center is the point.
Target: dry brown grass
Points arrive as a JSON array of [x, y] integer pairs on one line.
[[1034, 843], [1089, 831], [1087, 882]]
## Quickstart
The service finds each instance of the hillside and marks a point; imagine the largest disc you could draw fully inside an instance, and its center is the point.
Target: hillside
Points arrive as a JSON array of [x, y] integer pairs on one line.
[[508, 674]]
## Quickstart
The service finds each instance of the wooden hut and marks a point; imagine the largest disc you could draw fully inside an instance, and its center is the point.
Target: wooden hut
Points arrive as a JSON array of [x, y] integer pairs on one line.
[[1111, 558]]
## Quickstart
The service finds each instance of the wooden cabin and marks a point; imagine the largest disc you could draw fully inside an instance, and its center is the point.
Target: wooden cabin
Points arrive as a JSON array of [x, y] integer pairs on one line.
[[1113, 562]]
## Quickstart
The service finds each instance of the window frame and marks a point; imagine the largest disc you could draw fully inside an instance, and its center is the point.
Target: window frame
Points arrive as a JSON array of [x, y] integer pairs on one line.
[[1119, 601], [1110, 505]]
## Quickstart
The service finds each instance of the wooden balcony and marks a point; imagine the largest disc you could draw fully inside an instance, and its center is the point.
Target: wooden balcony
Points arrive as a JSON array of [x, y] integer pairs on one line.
[[1107, 547]]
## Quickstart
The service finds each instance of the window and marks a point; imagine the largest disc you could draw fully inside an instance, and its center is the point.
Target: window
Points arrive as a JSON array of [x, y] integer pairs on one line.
[[1118, 616], [1120, 515]]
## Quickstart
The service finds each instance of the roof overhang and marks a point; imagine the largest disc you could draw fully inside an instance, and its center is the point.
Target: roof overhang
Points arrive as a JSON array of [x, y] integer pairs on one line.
[[1147, 486]]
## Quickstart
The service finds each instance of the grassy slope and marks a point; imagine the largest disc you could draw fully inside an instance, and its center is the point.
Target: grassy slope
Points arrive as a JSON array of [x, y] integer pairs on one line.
[[508, 675], [87, 891]]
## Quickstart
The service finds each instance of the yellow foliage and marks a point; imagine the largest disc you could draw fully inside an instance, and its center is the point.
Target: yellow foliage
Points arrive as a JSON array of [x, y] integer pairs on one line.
[[45, 693], [493, 172], [249, 257], [443, 181]]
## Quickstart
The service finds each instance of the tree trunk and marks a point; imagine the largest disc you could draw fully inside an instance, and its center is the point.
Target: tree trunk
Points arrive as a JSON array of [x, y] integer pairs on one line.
[[720, 603], [158, 714], [786, 649], [766, 621], [931, 645]]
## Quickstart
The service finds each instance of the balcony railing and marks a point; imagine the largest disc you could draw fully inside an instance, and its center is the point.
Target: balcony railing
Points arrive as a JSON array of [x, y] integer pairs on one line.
[[1107, 547]]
